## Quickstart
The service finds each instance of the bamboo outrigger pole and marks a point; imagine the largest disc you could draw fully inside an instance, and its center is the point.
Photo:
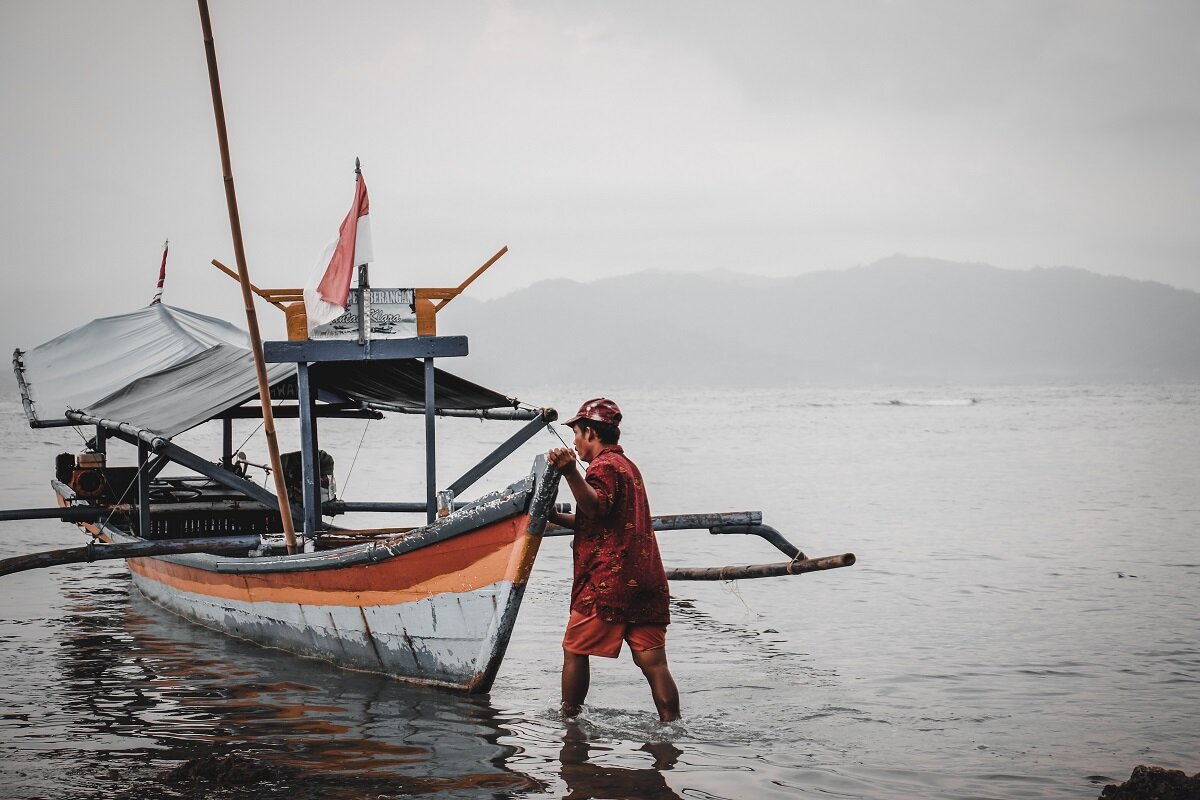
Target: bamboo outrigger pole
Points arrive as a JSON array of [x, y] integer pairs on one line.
[[239, 253]]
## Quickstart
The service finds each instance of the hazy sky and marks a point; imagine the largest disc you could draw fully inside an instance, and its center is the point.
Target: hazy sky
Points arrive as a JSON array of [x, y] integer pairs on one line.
[[593, 138]]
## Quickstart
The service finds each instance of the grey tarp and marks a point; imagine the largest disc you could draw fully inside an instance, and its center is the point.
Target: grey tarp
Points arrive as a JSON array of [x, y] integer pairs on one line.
[[167, 369]]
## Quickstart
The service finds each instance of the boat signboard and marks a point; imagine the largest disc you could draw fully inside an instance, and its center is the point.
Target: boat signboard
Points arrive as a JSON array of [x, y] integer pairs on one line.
[[390, 312]]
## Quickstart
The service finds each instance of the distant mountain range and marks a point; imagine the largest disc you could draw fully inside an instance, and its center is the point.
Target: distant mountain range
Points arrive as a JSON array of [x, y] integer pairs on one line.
[[899, 320]]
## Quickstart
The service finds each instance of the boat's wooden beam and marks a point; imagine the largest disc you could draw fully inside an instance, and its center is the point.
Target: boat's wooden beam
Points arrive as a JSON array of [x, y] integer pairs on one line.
[[462, 286], [737, 573], [377, 349], [102, 552], [265, 294], [502, 452]]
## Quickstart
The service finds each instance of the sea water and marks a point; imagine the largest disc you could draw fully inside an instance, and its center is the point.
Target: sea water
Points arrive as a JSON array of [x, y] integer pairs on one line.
[[1022, 621]]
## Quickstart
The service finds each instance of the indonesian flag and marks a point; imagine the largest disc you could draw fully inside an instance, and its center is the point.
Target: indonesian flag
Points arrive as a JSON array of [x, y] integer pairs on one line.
[[328, 286], [162, 276]]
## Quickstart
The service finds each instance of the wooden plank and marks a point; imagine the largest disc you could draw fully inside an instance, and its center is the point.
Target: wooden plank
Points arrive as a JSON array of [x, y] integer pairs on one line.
[[340, 350], [462, 286]]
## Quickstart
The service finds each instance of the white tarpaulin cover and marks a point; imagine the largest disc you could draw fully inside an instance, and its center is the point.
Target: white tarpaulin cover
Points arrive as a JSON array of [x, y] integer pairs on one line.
[[162, 368], [166, 369]]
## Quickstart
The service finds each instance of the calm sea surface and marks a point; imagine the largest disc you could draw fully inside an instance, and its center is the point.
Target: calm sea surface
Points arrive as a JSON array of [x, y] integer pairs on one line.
[[1023, 620]]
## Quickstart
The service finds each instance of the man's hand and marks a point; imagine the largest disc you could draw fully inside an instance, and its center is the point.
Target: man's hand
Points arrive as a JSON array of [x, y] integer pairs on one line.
[[562, 459]]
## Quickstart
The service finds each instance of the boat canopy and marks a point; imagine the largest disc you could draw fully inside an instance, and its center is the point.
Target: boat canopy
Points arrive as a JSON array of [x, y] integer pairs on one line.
[[167, 369]]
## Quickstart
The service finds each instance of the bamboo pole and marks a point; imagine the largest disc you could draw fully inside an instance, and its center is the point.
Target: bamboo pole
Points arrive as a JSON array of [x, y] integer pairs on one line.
[[239, 252], [735, 573]]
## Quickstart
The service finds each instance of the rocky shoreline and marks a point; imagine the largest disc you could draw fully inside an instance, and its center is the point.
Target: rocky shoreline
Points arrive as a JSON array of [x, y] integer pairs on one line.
[[1155, 783]]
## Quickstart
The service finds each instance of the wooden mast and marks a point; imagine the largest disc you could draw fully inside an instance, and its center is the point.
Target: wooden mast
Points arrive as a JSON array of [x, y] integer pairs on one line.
[[235, 226]]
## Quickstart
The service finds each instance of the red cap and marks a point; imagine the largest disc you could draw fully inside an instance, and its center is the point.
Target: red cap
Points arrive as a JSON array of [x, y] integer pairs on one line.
[[598, 409]]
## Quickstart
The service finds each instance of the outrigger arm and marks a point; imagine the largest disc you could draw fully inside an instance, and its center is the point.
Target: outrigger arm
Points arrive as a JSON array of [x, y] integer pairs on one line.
[[746, 522]]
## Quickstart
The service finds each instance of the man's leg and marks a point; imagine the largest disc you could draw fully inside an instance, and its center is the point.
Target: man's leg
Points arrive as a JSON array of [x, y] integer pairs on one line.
[[653, 664], [576, 678]]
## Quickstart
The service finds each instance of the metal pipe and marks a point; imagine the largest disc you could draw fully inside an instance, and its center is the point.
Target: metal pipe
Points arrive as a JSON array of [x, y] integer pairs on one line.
[[309, 454], [430, 444], [687, 522], [500, 453], [293, 412], [103, 552], [239, 253], [143, 490], [334, 507], [767, 532], [760, 570], [227, 443], [517, 414], [131, 433], [65, 513]]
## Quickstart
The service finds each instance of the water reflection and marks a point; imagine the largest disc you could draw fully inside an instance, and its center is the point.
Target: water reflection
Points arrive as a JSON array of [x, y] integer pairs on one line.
[[141, 691], [585, 780]]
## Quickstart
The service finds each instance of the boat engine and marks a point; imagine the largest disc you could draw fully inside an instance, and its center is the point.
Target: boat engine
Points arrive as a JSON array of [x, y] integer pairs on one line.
[[84, 473]]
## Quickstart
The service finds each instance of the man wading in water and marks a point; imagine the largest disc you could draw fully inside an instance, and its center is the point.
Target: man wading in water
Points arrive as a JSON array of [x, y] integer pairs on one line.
[[620, 591]]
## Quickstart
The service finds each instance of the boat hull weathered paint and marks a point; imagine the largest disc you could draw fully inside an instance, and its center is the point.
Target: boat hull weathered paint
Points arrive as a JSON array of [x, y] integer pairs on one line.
[[435, 607], [437, 617]]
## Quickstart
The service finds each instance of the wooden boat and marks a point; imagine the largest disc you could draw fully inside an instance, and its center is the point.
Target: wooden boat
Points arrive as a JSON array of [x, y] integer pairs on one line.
[[435, 604]]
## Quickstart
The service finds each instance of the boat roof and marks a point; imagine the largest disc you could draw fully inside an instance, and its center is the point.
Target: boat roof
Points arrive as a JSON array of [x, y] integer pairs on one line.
[[167, 369]]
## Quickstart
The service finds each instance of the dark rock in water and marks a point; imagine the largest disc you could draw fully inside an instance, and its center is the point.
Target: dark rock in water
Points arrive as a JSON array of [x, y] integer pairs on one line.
[[1155, 783], [230, 770]]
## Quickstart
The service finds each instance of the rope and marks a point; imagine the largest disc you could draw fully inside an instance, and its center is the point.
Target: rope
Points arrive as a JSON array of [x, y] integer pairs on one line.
[[136, 477], [248, 438], [550, 427], [354, 460]]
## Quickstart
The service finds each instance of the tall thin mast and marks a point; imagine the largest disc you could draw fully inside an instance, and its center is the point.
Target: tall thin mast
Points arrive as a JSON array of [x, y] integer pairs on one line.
[[239, 254]]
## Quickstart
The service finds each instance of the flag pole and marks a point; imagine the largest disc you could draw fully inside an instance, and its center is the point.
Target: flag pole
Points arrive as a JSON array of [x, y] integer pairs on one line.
[[239, 253]]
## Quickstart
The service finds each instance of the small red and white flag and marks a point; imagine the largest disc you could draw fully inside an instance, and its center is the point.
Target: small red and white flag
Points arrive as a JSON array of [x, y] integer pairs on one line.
[[162, 275], [328, 286]]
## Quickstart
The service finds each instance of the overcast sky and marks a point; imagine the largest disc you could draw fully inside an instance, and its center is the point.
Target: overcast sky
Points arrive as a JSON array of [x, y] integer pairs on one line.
[[593, 138]]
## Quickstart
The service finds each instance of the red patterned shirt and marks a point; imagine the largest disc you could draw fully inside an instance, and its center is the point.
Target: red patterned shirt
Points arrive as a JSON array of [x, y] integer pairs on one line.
[[619, 575]]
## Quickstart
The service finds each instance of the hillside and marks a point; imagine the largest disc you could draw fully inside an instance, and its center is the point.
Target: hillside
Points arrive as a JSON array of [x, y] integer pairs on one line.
[[898, 320]]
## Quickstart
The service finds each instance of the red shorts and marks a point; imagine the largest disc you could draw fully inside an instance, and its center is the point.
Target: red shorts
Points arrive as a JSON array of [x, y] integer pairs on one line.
[[592, 636]]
